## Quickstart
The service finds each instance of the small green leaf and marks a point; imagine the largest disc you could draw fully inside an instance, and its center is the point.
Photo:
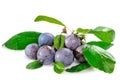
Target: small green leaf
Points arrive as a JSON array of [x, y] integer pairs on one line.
[[59, 41], [48, 19], [80, 30], [21, 40], [78, 68], [59, 67], [34, 65], [101, 44], [104, 33], [99, 58]]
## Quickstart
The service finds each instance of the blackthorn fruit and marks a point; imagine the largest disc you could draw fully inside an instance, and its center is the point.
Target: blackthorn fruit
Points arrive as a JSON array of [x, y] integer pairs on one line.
[[64, 56], [31, 51], [78, 53], [72, 42], [46, 54], [45, 39]]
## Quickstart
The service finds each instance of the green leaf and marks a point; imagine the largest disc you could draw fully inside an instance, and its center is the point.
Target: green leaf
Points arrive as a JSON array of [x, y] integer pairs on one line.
[[78, 68], [59, 67], [104, 33], [34, 65], [101, 44], [99, 58], [59, 41], [80, 30], [21, 40], [48, 19]]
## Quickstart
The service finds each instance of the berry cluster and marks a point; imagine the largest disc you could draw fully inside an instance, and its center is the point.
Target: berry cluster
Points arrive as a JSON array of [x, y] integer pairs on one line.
[[45, 52]]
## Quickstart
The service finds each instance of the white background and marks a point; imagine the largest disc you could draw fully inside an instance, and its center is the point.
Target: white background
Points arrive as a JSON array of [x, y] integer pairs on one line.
[[18, 16]]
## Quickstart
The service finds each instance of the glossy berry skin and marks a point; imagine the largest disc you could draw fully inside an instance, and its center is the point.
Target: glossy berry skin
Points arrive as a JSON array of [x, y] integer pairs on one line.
[[78, 53], [31, 51], [45, 39], [64, 56], [46, 54], [72, 42]]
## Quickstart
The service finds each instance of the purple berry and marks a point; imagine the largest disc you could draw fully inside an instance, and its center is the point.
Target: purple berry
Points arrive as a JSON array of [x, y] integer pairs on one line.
[[31, 51], [78, 53], [65, 56], [72, 42], [46, 54], [46, 39]]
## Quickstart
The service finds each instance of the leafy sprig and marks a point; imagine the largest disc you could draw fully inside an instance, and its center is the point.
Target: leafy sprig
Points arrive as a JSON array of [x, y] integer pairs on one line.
[[94, 51]]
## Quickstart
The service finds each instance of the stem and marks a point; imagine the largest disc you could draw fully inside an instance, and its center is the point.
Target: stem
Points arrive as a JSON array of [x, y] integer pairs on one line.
[[69, 29], [65, 30]]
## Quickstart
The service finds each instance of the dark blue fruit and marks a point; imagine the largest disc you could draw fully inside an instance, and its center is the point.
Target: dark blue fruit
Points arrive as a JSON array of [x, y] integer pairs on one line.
[[45, 39], [72, 42], [46, 54], [31, 51], [65, 56], [78, 53]]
